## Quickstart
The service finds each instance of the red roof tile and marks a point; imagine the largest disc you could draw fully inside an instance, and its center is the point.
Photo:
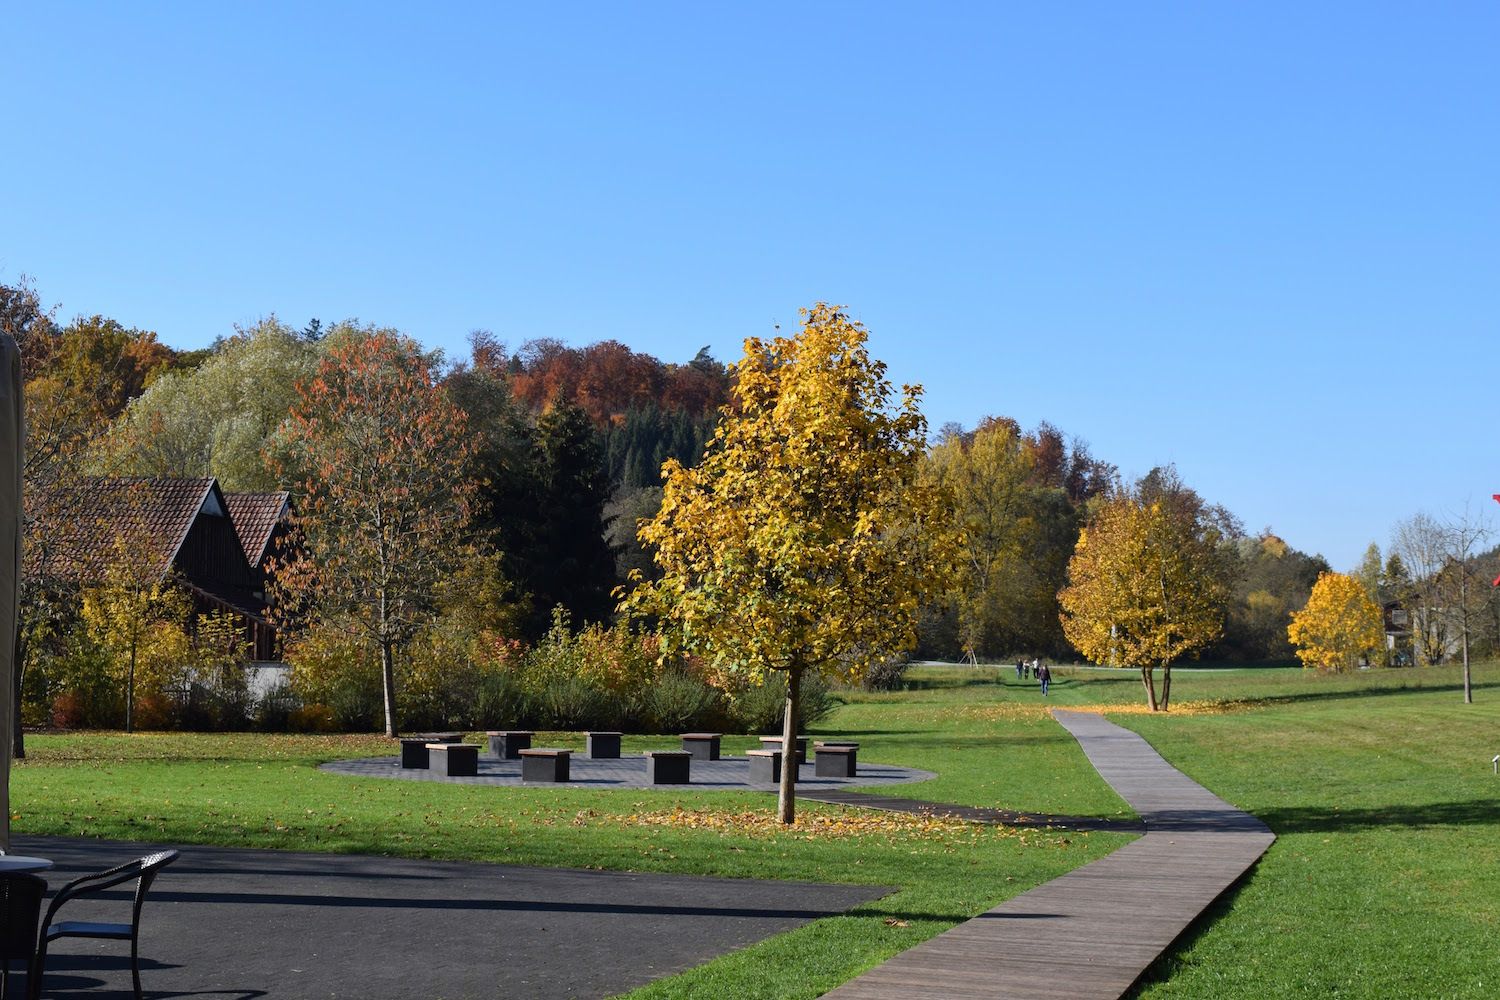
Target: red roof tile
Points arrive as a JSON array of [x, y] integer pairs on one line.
[[152, 513], [255, 516]]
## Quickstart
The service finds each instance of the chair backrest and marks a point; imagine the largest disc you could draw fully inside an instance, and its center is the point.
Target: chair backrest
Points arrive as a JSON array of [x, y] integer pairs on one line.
[[143, 870]]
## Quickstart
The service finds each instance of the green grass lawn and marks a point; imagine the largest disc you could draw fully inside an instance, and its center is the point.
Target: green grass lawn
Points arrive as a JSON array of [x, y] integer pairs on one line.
[[266, 791], [1383, 882]]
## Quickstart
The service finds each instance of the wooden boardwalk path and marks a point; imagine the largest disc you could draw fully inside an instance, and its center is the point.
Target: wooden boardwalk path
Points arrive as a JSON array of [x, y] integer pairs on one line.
[[1092, 932]]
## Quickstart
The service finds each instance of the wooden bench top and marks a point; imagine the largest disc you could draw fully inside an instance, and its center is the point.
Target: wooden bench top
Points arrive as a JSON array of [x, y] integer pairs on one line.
[[546, 752], [701, 736], [762, 753], [451, 746], [604, 732], [837, 748], [669, 753], [777, 739], [510, 732]]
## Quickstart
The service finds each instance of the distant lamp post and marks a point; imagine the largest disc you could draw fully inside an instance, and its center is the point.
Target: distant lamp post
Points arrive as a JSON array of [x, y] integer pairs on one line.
[[1496, 761]]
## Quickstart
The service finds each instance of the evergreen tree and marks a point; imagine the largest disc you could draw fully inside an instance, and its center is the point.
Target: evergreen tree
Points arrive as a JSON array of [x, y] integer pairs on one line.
[[574, 566], [506, 467]]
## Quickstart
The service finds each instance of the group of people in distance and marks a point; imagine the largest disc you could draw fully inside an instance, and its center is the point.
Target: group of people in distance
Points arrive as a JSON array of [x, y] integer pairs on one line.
[[1026, 669]]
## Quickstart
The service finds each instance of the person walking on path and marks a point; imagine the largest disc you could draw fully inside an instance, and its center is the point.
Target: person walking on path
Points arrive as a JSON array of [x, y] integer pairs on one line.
[[1018, 670], [1044, 674]]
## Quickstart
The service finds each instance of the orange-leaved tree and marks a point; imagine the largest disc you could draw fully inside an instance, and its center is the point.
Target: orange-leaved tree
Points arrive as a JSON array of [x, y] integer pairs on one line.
[[1148, 583], [1339, 625], [384, 508], [804, 540]]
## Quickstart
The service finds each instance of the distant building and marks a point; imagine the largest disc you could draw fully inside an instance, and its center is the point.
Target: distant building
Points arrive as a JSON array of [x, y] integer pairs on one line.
[[260, 522], [1415, 631], [1397, 633], [183, 528]]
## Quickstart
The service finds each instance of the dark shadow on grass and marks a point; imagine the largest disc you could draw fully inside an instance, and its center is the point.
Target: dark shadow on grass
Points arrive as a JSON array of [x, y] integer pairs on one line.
[[1300, 697], [948, 684], [1321, 819]]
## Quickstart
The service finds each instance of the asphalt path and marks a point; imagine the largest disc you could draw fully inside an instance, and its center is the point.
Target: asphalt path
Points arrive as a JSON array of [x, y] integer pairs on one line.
[[237, 924]]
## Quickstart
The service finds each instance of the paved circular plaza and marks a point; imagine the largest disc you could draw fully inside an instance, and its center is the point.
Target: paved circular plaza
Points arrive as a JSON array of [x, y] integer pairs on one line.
[[629, 771]]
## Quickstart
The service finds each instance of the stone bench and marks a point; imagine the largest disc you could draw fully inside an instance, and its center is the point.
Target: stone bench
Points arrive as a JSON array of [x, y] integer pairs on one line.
[[453, 760], [765, 767], [546, 764], [774, 743], [507, 744], [668, 767], [414, 748], [414, 754], [835, 761], [603, 746], [703, 746]]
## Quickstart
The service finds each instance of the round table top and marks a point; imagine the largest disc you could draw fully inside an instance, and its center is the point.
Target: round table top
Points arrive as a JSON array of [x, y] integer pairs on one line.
[[22, 863]]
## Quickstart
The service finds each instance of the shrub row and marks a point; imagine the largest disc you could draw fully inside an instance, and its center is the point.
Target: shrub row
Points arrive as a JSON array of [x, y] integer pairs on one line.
[[597, 678]]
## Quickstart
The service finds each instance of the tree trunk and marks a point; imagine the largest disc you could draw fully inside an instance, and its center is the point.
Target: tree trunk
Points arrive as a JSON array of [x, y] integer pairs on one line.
[[1148, 679], [1463, 609], [130, 693], [388, 686], [786, 802], [1166, 687], [1468, 687]]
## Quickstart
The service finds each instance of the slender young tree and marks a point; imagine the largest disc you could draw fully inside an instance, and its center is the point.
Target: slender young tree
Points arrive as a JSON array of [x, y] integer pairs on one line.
[[138, 615], [801, 541], [1461, 586], [383, 513]]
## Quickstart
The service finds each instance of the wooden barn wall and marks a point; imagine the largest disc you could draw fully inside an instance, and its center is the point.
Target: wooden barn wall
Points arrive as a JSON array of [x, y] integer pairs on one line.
[[211, 553]]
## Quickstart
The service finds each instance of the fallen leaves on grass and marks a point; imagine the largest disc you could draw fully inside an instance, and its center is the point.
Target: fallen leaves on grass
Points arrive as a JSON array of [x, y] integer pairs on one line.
[[1209, 707], [1017, 712], [1005, 711], [855, 824]]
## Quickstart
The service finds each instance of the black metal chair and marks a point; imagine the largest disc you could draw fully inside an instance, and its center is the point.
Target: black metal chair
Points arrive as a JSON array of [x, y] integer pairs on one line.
[[20, 910], [143, 871]]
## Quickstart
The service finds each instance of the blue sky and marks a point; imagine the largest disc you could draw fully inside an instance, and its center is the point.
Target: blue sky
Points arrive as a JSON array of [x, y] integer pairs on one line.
[[1259, 241]]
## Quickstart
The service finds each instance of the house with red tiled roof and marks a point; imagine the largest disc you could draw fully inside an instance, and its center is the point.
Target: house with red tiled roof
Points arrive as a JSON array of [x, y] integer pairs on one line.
[[181, 528], [260, 521]]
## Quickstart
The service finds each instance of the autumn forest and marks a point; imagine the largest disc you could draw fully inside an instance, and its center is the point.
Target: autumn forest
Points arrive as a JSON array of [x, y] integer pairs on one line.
[[496, 509]]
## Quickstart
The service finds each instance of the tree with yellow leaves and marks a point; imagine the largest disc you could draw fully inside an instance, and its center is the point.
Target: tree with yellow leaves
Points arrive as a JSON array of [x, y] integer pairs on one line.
[[1339, 625], [1148, 582], [139, 615], [803, 541]]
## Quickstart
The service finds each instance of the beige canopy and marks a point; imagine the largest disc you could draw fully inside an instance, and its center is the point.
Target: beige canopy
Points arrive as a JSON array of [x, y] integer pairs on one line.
[[12, 435]]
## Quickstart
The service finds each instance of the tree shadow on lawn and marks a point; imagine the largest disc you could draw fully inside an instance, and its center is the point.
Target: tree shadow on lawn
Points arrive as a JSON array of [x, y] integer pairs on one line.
[[1354, 694], [1477, 812], [985, 677]]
